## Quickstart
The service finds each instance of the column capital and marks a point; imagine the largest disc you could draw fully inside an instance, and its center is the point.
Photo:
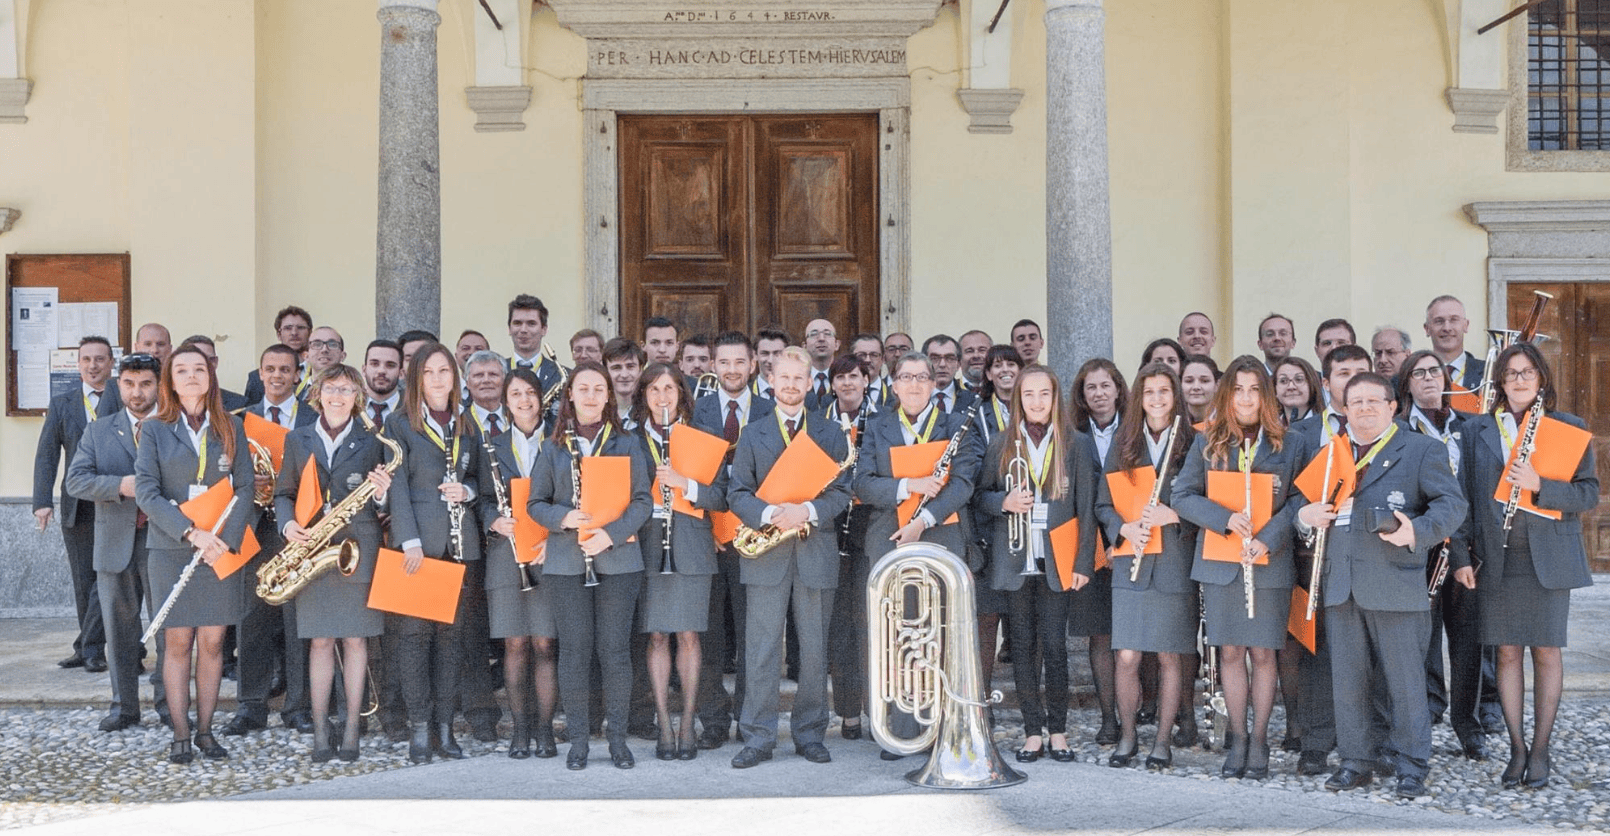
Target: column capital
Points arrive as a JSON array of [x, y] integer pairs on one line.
[[1052, 6], [427, 5]]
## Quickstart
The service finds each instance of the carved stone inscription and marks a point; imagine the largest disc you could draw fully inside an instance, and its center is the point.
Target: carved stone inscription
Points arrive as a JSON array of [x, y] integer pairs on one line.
[[678, 56]]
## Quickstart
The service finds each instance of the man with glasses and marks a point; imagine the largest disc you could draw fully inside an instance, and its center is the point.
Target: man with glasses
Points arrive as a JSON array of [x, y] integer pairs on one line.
[[1389, 345], [325, 349], [65, 420], [1446, 325], [944, 357], [822, 344], [292, 327], [102, 471], [895, 346], [1378, 618]]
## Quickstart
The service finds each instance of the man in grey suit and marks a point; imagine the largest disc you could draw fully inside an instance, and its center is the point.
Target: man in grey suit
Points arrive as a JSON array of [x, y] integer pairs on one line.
[[69, 413], [801, 573], [102, 471], [1405, 501]]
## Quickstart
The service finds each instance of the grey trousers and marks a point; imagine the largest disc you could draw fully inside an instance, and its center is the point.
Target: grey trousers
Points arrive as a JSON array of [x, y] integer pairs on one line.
[[1393, 645], [593, 621], [717, 709], [120, 596], [763, 661]]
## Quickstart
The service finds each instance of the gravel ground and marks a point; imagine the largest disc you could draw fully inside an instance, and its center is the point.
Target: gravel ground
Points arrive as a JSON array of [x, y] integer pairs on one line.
[[56, 766]]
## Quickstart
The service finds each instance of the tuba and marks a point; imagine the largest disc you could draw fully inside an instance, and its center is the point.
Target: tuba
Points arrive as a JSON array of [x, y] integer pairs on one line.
[[923, 659]]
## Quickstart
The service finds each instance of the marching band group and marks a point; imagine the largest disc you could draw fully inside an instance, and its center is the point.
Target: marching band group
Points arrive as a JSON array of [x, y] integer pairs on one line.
[[1132, 511]]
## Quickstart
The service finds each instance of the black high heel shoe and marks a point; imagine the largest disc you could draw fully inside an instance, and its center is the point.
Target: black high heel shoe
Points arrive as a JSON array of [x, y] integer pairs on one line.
[[180, 752], [849, 732], [1537, 779], [209, 748], [520, 741], [1515, 772], [323, 752], [1160, 763], [1257, 763], [543, 746], [687, 744], [665, 750], [1122, 759], [1235, 763]]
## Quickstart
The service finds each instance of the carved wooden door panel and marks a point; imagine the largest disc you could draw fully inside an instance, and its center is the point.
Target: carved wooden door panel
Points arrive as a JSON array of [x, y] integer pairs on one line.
[[744, 221], [1577, 323]]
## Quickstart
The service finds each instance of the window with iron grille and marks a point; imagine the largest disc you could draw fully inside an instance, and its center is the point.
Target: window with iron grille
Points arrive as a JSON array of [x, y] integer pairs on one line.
[[1568, 76]]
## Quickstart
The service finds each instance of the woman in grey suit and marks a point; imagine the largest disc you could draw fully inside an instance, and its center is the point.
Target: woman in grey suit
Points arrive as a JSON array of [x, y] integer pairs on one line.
[[335, 606], [1245, 417], [192, 444], [597, 617], [1523, 592], [1059, 488], [436, 484], [676, 591], [518, 606], [1157, 612]]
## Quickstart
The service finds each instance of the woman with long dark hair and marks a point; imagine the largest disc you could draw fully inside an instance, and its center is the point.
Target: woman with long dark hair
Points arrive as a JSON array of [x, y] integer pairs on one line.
[[1001, 367], [1199, 379], [591, 620], [1297, 389], [1244, 434], [1166, 351], [192, 445], [1529, 567]]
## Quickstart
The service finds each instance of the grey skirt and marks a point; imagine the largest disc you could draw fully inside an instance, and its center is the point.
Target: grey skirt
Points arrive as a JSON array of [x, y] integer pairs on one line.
[[1515, 609], [674, 603], [336, 607], [205, 601], [513, 613], [1152, 621], [1227, 622]]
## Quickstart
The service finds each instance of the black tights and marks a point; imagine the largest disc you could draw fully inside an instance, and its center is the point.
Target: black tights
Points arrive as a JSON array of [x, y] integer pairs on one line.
[[1548, 679]]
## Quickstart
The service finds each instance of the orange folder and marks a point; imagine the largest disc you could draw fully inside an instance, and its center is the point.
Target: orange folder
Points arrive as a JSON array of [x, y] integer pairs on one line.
[[268, 434], [529, 535], [915, 461], [697, 454], [308, 499], [725, 526], [204, 511], [1065, 550], [1343, 470], [1464, 400], [606, 490], [1559, 449], [1297, 624], [1228, 488], [800, 473], [1129, 499], [430, 593]]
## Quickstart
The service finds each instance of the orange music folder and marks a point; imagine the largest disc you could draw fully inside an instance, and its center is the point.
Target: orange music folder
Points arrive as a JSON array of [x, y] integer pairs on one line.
[[697, 454], [1065, 550], [800, 473], [268, 434], [1297, 624], [606, 489], [430, 593], [1342, 470], [231, 562], [1130, 499], [1464, 400], [204, 511], [307, 493], [1559, 448], [529, 535], [725, 526], [1228, 488], [915, 461]]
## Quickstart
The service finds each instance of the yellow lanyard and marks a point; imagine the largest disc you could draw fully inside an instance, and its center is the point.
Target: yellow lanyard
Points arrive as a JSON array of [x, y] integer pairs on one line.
[[442, 445], [654, 444], [1503, 431], [201, 456], [782, 427], [1000, 412], [89, 409], [1375, 448], [1039, 476], [598, 446], [921, 437], [1246, 456]]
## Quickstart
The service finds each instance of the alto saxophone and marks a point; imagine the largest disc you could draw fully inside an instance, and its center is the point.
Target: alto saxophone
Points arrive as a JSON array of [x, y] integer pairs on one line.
[[298, 564], [552, 394], [754, 542]]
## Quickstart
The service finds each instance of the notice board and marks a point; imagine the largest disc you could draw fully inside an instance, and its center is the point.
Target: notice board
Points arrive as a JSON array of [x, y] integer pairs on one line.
[[51, 302]]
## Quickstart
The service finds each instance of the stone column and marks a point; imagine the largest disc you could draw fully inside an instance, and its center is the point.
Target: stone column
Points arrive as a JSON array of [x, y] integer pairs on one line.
[[1078, 224], [408, 237]]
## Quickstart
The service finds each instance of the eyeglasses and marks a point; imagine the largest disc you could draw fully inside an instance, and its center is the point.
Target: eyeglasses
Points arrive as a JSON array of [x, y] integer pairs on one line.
[[1529, 373], [914, 378], [811, 335], [333, 345], [1290, 381], [1367, 403], [338, 391], [1426, 373], [936, 359]]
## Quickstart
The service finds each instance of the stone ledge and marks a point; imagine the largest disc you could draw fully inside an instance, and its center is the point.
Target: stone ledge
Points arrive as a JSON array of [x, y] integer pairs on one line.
[[1540, 215], [1476, 111], [499, 108], [33, 564], [14, 95], [991, 110]]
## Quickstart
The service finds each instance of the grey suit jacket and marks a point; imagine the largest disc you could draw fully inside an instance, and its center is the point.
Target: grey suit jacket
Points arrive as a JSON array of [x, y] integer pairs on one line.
[[165, 469], [1191, 503], [1168, 571], [693, 544], [876, 485], [707, 414], [816, 558], [551, 493], [106, 455], [358, 454], [1558, 555], [58, 440], [1078, 467], [416, 505], [1410, 474]]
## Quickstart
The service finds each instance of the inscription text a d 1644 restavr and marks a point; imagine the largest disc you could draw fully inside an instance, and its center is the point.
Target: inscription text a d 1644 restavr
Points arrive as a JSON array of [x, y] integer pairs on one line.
[[719, 16]]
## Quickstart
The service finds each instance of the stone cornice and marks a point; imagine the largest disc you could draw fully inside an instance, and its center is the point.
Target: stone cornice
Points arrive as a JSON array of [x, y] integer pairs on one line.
[[744, 18], [1541, 215]]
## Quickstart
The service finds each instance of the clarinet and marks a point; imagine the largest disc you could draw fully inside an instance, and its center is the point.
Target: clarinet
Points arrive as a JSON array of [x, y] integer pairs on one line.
[[575, 501], [667, 560], [855, 438], [942, 467], [455, 510], [1534, 416], [528, 581]]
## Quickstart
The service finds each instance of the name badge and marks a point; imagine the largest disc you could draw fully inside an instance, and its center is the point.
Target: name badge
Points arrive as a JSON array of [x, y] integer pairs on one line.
[[1344, 514], [1040, 516], [197, 490]]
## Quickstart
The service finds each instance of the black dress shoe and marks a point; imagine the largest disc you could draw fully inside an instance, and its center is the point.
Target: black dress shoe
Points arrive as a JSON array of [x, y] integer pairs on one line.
[[1537, 777], [303, 723], [1062, 755], [749, 756], [180, 751], [1384, 768], [1186, 734], [165, 718], [119, 722], [814, 752], [96, 665], [577, 759], [1291, 743], [446, 746], [665, 751], [520, 742], [209, 747], [73, 661], [484, 732], [1121, 759], [1030, 755], [1474, 748], [1515, 770], [621, 755], [323, 754], [1159, 764], [543, 745], [1235, 759], [419, 742], [240, 724], [1313, 763], [347, 755], [1348, 778], [1146, 716], [849, 732], [1410, 786], [1257, 763], [712, 737]]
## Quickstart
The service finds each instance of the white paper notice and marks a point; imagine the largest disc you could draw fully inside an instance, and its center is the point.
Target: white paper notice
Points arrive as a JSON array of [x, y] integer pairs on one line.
[[69, 323], [100, 320], [33, 319], [33, 378]]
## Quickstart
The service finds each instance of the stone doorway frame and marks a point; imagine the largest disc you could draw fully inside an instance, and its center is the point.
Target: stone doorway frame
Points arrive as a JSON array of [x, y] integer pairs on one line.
[[603, 100]]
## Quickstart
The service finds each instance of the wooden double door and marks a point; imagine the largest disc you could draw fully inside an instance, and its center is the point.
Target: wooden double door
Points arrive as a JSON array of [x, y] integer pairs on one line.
[[744, 221], [1577, 323]]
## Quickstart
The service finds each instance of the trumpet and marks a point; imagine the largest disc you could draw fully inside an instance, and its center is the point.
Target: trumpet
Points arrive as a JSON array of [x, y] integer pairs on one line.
[[528, 581], [667, 560], [1157, 494], [575, 501], [1017, 525]]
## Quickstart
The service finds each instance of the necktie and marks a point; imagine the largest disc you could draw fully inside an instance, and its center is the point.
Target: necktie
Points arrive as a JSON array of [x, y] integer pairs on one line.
[[1341, 423], [821, 384], [493, 427], [939, 398], [729, 430], [139, 516], [274, 414], [793, 424], [379, 410]]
